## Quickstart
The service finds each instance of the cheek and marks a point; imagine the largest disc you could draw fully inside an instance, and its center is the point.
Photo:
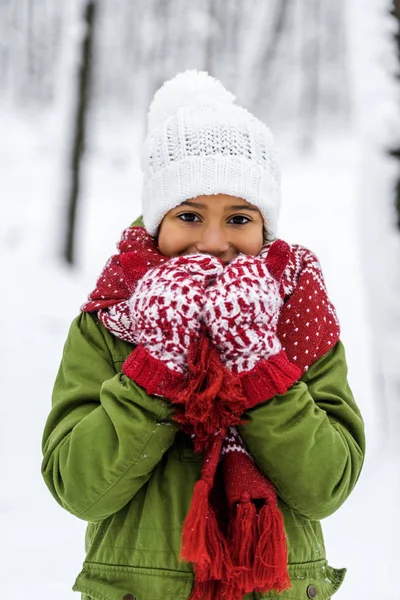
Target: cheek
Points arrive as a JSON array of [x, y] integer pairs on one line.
[[251, 243], [171, 239]]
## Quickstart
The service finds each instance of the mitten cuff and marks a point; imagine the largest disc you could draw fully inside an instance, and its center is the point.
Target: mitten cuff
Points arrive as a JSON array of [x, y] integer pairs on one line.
[[268, 378], [152, 374]]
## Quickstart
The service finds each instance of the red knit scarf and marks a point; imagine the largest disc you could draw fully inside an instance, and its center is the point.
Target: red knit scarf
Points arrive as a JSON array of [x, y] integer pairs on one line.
[[234, 531]]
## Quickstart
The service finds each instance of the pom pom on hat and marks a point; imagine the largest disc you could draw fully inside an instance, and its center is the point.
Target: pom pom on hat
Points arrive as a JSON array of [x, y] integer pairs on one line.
[[186, 89]]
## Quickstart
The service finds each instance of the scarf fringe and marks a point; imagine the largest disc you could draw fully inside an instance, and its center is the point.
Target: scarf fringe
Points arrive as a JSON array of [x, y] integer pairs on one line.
[[270, 561], [203, 543], [194, 547], [242, 542], [212, 397], [216, 590], [230, 591], [255, 557], [203, 591]]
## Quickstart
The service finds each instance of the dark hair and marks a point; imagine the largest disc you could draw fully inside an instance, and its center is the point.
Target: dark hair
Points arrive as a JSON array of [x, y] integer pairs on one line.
[[267, 237]]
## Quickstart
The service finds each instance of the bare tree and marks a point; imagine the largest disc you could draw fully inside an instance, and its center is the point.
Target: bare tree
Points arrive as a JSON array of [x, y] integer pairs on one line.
[[396, 152], [83, 87], [271, 43], [209, 48], [310, 66], [269, 33]]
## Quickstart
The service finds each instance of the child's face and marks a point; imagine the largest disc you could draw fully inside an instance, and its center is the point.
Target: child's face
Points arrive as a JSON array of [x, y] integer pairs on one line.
[[220, 225]]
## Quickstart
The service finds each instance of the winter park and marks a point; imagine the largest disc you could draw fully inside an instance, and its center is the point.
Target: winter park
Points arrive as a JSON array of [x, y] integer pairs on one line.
[[186, 397]]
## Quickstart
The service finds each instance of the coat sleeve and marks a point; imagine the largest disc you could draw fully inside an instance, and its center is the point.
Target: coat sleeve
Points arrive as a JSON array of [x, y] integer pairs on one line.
[[104, 434], [310, 441]]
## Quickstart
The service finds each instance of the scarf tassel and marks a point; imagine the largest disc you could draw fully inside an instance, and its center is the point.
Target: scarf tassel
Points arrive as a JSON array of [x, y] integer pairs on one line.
[[270, 561], [229, 591], [202, 541], [216, 590], [206, 590], [212, 396], [242, 542], [194, 547]]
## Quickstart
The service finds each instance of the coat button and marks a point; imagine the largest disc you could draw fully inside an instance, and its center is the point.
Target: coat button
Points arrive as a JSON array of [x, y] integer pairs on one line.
[[311, 591], [129, 597]]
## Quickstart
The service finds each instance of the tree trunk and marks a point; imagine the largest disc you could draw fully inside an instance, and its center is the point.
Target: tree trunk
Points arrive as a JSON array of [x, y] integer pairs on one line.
[[83, 87], [396, 152], [310, 64]]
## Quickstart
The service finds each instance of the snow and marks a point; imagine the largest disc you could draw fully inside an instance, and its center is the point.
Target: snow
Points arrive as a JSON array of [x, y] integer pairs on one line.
[[328, 206]]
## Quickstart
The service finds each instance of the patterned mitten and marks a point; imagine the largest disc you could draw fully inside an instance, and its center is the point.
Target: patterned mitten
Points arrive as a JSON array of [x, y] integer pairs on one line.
[[241, 313], [165, 310]]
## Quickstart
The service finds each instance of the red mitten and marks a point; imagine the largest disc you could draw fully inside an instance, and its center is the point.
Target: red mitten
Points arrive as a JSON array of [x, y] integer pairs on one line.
[[241, 313], [166, 309]]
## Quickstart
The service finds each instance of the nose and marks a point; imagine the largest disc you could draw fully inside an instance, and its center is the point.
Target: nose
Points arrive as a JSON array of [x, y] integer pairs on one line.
[[213, 241]]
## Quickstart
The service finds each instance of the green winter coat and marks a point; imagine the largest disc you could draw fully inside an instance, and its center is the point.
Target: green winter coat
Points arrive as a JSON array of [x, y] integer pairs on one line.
[[114, 457]]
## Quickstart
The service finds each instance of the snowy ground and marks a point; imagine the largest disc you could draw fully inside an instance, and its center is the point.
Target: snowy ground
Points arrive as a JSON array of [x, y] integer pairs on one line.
[[42, 545]]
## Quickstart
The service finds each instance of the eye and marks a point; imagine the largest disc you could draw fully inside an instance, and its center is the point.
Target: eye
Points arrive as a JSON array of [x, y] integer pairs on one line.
[[240, 220], [188, 217]]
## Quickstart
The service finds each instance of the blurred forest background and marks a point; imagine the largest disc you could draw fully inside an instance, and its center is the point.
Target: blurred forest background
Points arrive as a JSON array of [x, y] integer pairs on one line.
[[76, 79], [287, 61]]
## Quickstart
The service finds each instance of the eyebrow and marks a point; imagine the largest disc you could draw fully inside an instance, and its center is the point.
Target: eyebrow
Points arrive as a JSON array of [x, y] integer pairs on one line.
[[233, 207]]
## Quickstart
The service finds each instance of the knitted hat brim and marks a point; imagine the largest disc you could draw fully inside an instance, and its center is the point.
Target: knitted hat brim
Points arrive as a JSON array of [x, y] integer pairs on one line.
[[207, 175]]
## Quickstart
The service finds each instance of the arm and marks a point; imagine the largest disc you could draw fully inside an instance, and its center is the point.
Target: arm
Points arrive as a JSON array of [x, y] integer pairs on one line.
[[310, 441], [104, 434]]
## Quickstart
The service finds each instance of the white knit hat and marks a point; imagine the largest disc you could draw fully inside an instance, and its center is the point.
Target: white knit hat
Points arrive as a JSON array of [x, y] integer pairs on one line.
[[200, 143]]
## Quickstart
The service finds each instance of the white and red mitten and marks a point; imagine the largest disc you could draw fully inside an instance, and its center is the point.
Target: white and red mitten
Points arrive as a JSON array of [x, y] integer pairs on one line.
[[166, 309], [241, 313]]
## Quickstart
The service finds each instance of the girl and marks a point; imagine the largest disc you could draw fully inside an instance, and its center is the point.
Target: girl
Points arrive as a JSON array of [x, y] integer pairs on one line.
[[202, 422]]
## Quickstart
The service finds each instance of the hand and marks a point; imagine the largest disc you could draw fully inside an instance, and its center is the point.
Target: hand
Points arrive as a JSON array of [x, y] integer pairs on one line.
[[167, 306], [242, 311]]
